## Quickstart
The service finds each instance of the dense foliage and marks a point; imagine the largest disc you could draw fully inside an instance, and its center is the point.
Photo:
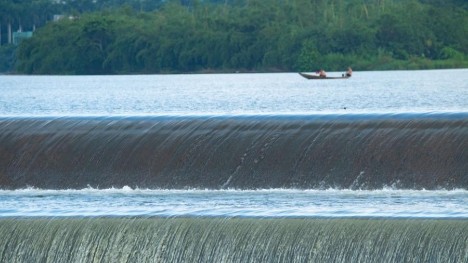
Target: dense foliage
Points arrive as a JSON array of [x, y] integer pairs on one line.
[[252, 35]]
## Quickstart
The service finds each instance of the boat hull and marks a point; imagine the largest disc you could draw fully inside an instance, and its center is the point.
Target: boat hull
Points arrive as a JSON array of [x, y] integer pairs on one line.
[[311, 76]]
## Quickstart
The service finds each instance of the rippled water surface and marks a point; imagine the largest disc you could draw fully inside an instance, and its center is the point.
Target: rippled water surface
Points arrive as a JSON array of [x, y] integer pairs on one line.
[[234, 203], [390, 91]]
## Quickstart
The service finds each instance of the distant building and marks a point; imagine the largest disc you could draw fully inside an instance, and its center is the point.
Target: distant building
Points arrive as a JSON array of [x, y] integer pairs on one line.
[[20, 36], [60, 17]]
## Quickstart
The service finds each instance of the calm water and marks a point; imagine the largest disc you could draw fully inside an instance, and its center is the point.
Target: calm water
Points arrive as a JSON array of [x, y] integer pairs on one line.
[[390, 92], [228, 94]]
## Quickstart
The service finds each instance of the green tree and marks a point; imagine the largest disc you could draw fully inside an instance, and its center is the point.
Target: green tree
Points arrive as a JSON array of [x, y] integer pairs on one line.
[[238, 35]]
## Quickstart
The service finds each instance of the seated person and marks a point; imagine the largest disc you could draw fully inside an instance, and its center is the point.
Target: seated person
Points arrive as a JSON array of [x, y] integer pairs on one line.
[[349, 72], [322, 73]]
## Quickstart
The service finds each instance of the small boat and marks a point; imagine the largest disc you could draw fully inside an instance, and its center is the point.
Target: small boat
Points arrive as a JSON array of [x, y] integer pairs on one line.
[[312, 76]]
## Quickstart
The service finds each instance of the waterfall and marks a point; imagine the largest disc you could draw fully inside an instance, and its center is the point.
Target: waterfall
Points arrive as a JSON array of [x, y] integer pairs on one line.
[[232, 240], [243, 152]]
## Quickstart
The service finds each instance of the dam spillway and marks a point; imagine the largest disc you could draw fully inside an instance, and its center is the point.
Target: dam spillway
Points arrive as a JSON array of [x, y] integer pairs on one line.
[[406, 151], [232, 240]]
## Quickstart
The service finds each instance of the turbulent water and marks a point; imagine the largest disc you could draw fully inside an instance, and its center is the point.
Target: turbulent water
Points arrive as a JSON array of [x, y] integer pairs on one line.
[[234, 168], [232, 240], [271, 203]]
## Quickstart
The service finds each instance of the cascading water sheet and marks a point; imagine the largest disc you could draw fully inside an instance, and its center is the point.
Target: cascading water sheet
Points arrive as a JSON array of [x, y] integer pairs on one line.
[[234, 168]]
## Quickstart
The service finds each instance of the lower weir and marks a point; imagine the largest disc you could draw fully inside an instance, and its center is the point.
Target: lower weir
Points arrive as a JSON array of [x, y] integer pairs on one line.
[[232, 240]]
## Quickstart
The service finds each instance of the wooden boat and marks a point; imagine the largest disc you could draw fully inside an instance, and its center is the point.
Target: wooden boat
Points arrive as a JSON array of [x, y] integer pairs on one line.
[[312, 76]]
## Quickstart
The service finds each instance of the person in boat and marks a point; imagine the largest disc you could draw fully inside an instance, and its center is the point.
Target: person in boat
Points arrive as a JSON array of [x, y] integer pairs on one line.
[[322, 73], [349, 72]]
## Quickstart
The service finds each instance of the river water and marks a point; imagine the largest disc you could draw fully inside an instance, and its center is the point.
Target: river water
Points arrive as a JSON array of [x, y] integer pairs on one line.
[[235, 168], [285, 95], [276, 203], [220, 94]]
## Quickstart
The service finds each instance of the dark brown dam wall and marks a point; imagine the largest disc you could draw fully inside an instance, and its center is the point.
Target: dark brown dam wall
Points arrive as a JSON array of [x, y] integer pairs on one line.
[[410, 151]]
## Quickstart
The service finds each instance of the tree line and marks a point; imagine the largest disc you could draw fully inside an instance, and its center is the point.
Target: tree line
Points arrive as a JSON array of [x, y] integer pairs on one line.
[[27, 15], [250, 35]]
